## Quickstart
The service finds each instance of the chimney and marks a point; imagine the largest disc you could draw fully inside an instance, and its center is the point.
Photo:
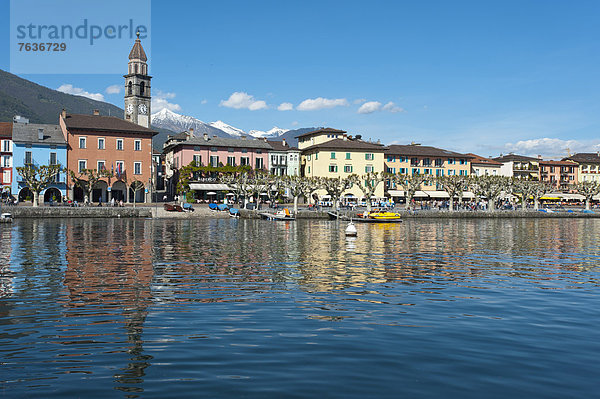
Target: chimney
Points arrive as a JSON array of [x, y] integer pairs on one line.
[[205, 136], [40, 134], [191, 130], [215, 136], [283, 142], [540, 157], [96, 112], [378, 141], [243, 137], [63, 113]]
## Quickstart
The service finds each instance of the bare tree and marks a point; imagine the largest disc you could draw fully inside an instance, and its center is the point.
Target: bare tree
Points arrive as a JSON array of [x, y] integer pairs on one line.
[[86, 179], [240, 184], [410, 183], [335, 187], [531, 189], [454, 185], [136, 186], [588, 189], [309, 186], [490, 188], [275, 187], [298, 186], [38, 177], [368, 184]]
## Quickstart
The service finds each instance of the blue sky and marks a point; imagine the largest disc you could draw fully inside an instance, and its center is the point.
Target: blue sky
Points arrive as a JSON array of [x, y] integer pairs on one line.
[[470, 76]]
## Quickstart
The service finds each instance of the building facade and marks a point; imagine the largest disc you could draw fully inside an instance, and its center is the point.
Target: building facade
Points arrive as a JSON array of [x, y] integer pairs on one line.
[[284, 160], [562, 175], [39, 144], [519, 166], [6, 162], [332, 153], [112, 144], [481, 166], [588, 166]]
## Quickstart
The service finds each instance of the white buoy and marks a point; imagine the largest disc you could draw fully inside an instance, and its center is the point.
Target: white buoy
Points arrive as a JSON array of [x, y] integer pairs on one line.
[[351, 230]]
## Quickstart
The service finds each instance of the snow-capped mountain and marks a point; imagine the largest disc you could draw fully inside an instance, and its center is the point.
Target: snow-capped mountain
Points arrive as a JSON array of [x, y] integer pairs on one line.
[[269, 134], [177, 123], [232, 131], [166, 119]]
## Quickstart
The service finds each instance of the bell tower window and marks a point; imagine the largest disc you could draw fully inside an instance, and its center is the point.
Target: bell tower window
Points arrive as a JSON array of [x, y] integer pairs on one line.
[[130, 88], [142, 87], [136, 68]]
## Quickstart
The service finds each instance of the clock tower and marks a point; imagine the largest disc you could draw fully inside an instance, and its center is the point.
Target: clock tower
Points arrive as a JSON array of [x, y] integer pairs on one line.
[[137, 86]]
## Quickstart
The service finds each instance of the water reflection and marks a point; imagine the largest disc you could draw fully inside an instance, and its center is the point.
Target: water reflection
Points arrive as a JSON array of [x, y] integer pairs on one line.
[[143, 302]]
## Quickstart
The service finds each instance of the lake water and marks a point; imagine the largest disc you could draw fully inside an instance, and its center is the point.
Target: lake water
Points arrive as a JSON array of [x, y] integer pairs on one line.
[[258, 309]]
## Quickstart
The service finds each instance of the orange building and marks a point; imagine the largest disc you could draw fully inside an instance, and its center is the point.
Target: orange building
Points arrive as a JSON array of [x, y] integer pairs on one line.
[[113, 144], [562, 175]]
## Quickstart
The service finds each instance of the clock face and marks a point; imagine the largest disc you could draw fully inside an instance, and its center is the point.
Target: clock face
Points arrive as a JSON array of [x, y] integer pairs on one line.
[[130, 109], [142, 109]]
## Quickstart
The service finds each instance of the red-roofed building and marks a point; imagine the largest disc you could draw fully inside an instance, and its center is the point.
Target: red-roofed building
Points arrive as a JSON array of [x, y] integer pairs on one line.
[[562, 175], [5, 156]]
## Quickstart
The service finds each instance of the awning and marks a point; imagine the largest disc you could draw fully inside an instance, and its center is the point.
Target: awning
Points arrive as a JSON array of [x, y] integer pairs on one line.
[[208, 186], [396, 193], [574, 197], [437, 194]]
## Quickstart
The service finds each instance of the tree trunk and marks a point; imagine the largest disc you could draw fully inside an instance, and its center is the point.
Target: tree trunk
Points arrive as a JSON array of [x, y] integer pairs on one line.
[[36, 198], [368, 205], [587, 204], [451, 204], [408, 200], [536, 204], [295, 204]]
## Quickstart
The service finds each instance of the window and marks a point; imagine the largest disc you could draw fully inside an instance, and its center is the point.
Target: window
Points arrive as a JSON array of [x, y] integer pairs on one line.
[[82, 142], [308, 157], [244, 150], [230, 149], [142, 88], [282, 160], [231, 161], [82, 165], [402, 171], [316, 156], [402, 159], [426, 162], [333, 168], [120, 144], [6, 161], [259, 151], [463, 161], [369, 157], [332, 155], [415, 171], [348, 168], [348, 155], [414, 161], [368, 168], [28, 158], [451, 161], [101, 165], [439, 162], [6, 145], [53, 158], [391, 158], [101, 143], [119, 168], [130, 88], [273, 159], [244, 161], [197, 159], [309, 170], [213, 149], [137, 168], [259, 163], [427, 171], [137, 145], [214, 161]]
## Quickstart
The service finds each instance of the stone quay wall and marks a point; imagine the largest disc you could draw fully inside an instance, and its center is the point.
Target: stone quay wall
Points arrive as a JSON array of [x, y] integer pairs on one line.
[[42, 212]]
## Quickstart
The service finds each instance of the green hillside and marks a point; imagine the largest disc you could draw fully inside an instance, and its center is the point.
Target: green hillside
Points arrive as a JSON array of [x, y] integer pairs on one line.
[[41, 104]]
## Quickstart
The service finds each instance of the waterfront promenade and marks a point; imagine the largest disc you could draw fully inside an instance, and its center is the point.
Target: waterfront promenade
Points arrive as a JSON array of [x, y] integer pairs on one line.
[[201, 211]]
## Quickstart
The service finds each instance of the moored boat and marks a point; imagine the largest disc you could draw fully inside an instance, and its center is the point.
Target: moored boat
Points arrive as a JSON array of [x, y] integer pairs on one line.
[[377, 215], [283, 214]]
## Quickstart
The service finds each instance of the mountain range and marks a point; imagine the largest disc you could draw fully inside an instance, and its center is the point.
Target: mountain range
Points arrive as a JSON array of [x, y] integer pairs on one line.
[[41, 104]]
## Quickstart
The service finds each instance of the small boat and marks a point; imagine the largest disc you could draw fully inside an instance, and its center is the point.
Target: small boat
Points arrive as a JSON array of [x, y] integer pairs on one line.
[[379, 216], [222, 207], [283, 214], [234, 213], [6, 218], [173, 208], [213, 207]]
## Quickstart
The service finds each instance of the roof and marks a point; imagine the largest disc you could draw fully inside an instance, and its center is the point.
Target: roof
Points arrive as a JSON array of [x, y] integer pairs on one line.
[[322, 130], [476, 159], [558, 163], [27, 133], [222, 142], [514, 157], [278, 146], [103, 123], [585, 157], [423, 150], [341, 144], [6, 129], [137, 52]]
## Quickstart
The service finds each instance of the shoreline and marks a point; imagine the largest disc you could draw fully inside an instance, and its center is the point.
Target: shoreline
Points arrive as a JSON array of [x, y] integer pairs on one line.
[[202, 212]]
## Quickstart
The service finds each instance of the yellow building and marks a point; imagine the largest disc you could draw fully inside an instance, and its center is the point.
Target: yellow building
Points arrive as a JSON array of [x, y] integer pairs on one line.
[[332, 153], [589, 166]]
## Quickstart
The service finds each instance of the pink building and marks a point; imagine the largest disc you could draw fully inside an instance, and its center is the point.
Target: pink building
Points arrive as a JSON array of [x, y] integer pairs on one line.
[[180, 150]]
